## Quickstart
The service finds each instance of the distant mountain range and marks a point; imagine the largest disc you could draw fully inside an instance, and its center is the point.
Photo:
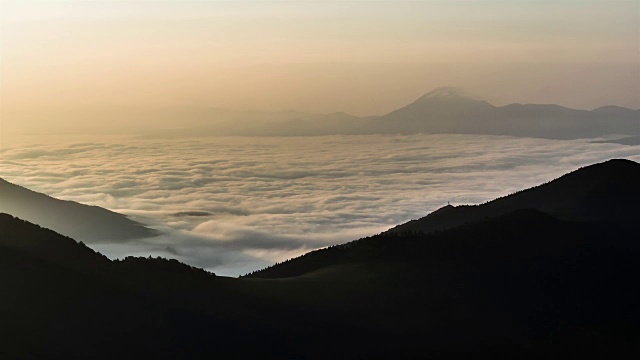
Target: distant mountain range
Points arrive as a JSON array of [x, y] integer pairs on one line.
[[548, 272], [83, 222], [445, 110], [448, 110]]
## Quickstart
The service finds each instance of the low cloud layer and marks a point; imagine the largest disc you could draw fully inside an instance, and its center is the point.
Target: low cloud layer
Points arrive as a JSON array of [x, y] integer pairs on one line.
[[233, 205]]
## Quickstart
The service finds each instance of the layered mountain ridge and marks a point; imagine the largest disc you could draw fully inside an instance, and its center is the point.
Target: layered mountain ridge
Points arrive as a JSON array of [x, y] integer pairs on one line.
[[445, 110], [448, 110], [605, 193], [83, 222]]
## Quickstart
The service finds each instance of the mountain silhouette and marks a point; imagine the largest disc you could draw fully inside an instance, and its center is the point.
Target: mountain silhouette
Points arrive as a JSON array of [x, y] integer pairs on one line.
[[442, 110], [46, 245], [604, 193], [445, 110], [63, 300], [600, 192], [448, 110], [83, 222], [548, 272]]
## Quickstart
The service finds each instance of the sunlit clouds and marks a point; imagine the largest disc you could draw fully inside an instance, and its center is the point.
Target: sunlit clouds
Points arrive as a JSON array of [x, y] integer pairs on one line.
[[235, 204]]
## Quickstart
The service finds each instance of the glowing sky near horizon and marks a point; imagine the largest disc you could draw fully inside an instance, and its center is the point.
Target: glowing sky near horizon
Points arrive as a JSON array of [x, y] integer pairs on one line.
[[66, 60]]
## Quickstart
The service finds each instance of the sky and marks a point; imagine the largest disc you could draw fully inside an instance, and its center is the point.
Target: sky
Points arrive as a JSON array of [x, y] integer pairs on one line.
[[71, 62]]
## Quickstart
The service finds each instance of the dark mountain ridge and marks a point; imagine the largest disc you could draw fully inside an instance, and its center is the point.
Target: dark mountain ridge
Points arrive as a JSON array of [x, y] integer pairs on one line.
[[600, 192], [605, 193], [548, 287], [59, 250], [83, 222]]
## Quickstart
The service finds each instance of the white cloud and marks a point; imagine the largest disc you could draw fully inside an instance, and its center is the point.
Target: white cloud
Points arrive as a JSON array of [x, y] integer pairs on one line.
[[260, 200]]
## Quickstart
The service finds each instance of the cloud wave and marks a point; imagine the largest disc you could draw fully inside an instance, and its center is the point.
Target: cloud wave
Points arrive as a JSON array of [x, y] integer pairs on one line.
[[235, 204]]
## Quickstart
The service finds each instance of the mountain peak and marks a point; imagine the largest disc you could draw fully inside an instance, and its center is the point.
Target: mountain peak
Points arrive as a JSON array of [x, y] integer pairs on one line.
[[445, 92], [443, 209], [603, 192], [611, 169], [448, 95]]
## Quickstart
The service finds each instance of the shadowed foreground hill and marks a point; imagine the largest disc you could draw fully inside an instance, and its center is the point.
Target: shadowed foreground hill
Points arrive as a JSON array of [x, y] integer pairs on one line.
[[525, 282], [524, 279], [83, 222], [603, 192], [57, 302], [63, 300]]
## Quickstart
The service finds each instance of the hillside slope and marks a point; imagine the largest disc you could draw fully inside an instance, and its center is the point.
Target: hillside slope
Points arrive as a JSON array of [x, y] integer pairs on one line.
[[82, 222], [607, 191]]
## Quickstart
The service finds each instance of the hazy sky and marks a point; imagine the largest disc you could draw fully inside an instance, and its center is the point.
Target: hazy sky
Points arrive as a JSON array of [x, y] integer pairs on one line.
[[64, 61]]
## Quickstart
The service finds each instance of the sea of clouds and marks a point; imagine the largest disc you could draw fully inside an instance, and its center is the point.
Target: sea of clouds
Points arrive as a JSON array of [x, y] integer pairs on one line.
[[236, 204]]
